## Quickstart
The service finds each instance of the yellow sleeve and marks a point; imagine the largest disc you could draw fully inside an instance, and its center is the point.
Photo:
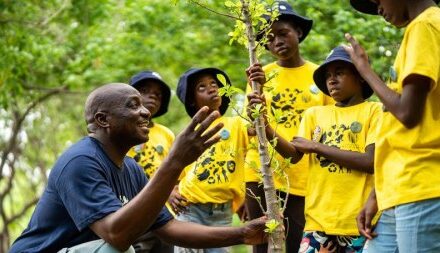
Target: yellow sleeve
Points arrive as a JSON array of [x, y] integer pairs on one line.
[[373, 128], [305, 125], [423, 52]]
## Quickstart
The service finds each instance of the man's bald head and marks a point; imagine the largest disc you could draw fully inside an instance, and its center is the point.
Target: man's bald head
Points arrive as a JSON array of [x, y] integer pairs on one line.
[[103, 99]]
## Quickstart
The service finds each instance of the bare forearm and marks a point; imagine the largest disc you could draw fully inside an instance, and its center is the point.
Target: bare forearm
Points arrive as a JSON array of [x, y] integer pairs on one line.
[[407, 107], [176, 233], [389, 98], [283, 147], [363, 162], [123, 227]]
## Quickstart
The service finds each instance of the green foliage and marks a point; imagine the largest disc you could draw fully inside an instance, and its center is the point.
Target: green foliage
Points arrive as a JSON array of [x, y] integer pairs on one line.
[[256, 111], [80, 45], [271, 226]]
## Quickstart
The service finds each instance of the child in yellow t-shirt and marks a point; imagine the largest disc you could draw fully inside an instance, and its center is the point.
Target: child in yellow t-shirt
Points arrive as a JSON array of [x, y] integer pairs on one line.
[[156, 97], [212, 187], [407, 159], [340, 142], [291, 91]]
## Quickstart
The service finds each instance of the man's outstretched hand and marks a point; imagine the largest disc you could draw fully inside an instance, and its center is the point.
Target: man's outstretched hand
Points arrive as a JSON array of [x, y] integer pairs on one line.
[[196, 137]]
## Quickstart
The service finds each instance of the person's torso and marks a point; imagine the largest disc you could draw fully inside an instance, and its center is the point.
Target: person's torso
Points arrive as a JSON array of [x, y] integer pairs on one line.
[[150, 155], [288, 93], [335, 194], [51, 226], [217, 175], [407, 160]]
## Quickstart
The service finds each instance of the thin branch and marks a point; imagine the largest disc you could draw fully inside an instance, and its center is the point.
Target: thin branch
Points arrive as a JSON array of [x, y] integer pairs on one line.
[[240, 115], [25, 208], [8, 187], [46, 89], [19, 122], [258, 199], [55, 14], [216, 12]]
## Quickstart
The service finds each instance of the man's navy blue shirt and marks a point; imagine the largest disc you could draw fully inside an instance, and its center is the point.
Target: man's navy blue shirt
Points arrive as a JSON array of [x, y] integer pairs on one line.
[[83, 187]]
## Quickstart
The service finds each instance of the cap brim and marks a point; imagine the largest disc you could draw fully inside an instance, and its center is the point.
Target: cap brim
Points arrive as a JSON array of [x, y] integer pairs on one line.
[[364, 6], [319, 78], [304, 23], [166, 96], [368, 7]]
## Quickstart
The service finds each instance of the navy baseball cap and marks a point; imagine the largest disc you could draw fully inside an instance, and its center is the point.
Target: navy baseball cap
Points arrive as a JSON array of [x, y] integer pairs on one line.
[[368, 7], [286, 12], [337, 54], [140, 79], [188, 79]]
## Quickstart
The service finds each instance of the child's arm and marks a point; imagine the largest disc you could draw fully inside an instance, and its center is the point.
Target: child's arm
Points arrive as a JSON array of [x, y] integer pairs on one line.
[[366, 215], [283, 147], [178, 202], [363, 162], [255, 73], [407, 107]]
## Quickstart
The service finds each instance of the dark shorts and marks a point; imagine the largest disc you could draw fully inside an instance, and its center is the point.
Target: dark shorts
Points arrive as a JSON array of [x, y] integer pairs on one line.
[[317, 241]]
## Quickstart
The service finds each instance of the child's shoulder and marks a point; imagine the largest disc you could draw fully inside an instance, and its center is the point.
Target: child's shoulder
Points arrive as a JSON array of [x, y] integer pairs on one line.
[[319, 109], [163, 129], [430, 16], [232, 120], [325, 109], [307, 65], [373, 105]]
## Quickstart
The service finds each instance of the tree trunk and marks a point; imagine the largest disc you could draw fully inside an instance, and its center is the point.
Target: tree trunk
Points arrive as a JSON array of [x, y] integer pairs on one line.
[[276, 238]]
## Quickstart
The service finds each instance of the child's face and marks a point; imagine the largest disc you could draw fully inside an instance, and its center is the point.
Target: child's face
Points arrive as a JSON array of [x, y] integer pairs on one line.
[[342, 81], [151, 96], [393, 11], [283, 40], [206, 92]]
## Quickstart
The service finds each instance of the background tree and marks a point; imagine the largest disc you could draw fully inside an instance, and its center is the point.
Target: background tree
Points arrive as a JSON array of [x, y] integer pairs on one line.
[[54, 52]]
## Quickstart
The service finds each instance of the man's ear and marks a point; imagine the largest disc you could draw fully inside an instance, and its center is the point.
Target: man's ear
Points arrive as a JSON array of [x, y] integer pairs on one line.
[[101, 119]]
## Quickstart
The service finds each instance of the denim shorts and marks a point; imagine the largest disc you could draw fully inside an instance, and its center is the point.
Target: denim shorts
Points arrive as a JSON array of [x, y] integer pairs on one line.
[[209, 214], [413, 227], [96, 246]]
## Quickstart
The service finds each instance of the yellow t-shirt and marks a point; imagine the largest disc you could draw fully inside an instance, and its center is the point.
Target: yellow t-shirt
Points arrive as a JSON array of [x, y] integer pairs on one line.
[[336, 194], [217, 176], [291, 92], [151, 154], [407, 161]]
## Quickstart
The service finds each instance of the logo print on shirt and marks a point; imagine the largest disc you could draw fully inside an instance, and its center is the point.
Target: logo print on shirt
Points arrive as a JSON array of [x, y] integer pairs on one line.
[[146, 157], [213, 172], [285, 101], [334, 138]]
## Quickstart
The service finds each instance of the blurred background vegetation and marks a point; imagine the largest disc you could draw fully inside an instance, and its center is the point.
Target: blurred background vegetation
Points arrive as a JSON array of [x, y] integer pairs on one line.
[[54, 52]]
